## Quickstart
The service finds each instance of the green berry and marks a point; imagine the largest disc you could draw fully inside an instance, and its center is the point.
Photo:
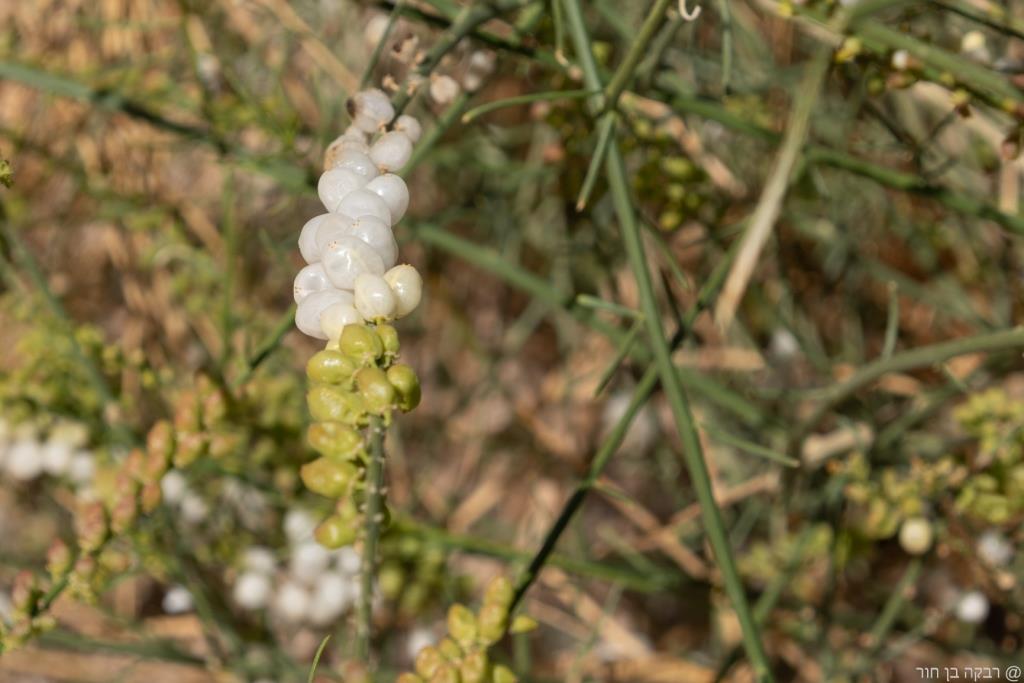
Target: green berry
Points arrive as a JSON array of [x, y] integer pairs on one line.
[[405, 381], [491, 622], [329, 477], [500, 593], [327, 404], [361, 343], [450, 650], [389, 337], [335, 532], [391, 580], [332, 367], [503, 674], [377, 392], [474, 667], [462, 624], [429, 661], [446, 674], [335, 440]]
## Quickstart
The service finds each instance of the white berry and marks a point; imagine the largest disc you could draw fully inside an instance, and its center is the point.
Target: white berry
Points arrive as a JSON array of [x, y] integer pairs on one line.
[[406, 283], [364, 203], [259, 559], [335, 183], [177, 600], [371, 109], [252, 590], [392, 151], [410, 126], [307, 316], [299, 525], [374, 298], [333, 593], [311, 279], [56, 456], [356, 161], [292, 602], [972, 608], [443, 89], [347, 258], [916, 535], [378, 235], [24, 460], [173, 487], [395, 193], [994, 549], [336, 317], [307, 238], [82, 468], [309, 560]]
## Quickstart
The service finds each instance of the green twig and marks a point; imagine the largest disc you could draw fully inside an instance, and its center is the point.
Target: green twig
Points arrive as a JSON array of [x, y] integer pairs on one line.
[[553, 95], [374, 514]]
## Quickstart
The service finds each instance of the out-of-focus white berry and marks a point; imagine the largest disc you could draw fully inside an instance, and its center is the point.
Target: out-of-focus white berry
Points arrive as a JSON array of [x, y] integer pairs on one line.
[[784, 344], [973, 44], [900, 60], [410, 126], [347, 258], [395, 193], [916, 535], [82, 468], [994, 549], [481, 64], [259, 559], [299, 525], [374, 298], [173, 487], [177, 600], [307, 238], [443, 89], [348, 560], [312, 278], [378, 235], [363, 202], [252, 590], [392, 151], [291, 602], [309, 560], [356, 161], [336, 317], [374, 31], [419, 638], [335, 183], [307, 315], [193, 508], [24, 460], [333, 593], [972, 607], [406, 283], [371, 109], [56, 455]]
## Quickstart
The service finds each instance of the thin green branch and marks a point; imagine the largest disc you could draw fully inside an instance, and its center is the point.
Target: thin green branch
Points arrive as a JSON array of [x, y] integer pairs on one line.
[[374, 515]]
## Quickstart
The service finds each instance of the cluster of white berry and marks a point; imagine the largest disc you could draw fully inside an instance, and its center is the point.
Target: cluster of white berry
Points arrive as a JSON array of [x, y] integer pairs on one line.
[[316, 587], [351, 276], [25, 455]]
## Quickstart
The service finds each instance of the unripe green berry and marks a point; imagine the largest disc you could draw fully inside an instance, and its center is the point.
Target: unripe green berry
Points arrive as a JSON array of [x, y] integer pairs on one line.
[[391, 580], [361, 343], [450, 650], [347, 509], [335, 532], [332, 367], [446, 674], [377, 392], [335, 440], [499, 592], [491, 622], [389, 338], [428, 662], [329, 477], [462, 624], [503, 674], [327, 403], [474, 667], [405, 381]]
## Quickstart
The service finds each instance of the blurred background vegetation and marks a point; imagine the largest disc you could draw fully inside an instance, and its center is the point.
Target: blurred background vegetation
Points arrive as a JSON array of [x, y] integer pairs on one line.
[[856, 387]]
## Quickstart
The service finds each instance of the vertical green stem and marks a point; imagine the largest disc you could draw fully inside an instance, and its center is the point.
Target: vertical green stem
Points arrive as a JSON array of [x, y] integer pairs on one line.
[[692, 454], [374, 515]]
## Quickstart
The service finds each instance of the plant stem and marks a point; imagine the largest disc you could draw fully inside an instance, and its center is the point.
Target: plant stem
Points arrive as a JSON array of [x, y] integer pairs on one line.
[[692, 454], [624, 73], [374, 515]]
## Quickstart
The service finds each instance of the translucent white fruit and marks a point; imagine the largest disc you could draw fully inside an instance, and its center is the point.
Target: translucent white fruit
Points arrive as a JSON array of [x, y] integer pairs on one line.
[[336, 317], [395, 193], [443, 89], [378, 235], [348, 561], [307, 316], [335, 183], [24, 460], [373, 297], [409, 125], [406, 283], [309, 560], [333, 593], [307, 238], [349, 257], [364, 203], [292, 602], [312, 278], [419, 638], [371, 109], [356, 161], [994, 549], [193, 508], [972, 607], [252, 590], [375, 28], [916, 535], [299, 525], [259, 559], [82, 468], [392, 151], [173, 487], [177, 600], [56, 456]]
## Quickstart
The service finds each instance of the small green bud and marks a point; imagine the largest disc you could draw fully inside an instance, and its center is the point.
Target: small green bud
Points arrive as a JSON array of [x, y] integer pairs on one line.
[[328, 477], [450, 650], [446, 674], [376, 390], [360, 343], [335, 440], [58, 559], [499, 592], [428, 662], [462, 624], [335, 532], [404, 380], [474, 667], [331, 367], [389, 338], [503, 674], [491, 622], [523, 624]]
